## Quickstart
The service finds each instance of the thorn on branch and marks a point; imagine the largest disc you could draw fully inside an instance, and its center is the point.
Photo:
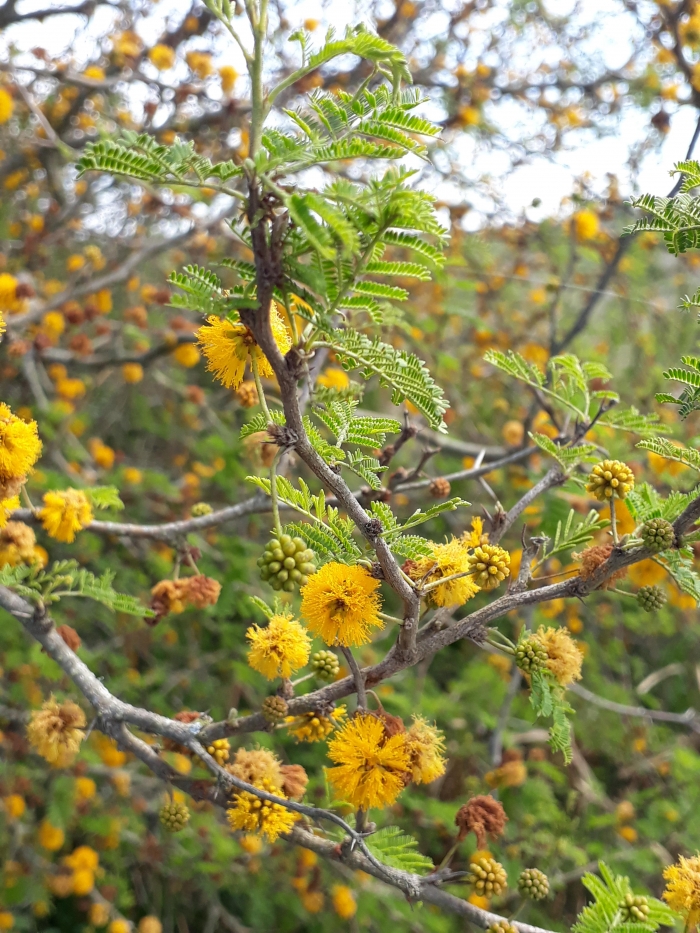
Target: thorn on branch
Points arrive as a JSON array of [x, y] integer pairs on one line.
[[284, 437]]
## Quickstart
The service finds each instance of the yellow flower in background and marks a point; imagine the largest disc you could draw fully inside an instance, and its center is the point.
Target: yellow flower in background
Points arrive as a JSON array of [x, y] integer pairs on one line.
[[509, 774], [75, 262], [56, 730], [101, 453], [334, 378], [50, 837], [162, 56], [150, 925], [278, 649], [228, 76], [340, 603], [118, 926], [253, 815], [70, 388], [6, 105], [200, 63], [132, 476], [371, 766], [425, 745], [187, 355], [65, 513], [228, 346], [7, 507], [586, 225], [53, 324], [94, 72], [683, 888], [132, 373], [7, 920], [85, 788], [344, 903], [14, 806]]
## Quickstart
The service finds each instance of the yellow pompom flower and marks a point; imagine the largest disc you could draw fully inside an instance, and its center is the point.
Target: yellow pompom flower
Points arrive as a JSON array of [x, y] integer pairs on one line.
[[253, 815], [344, 903], [19, 450], [150, 925], [132, 373], [313, 727], [83, 881], [84, 857], [564, 657], [56, 730], [7, 920], [85, 788], [50, 837], [227, 347], [220, 750], [490, 565], [228, 76], [98, 914], [65, 513], [610, 478], [334, 378], [187, 355], [586, 225], [683, 888], [425, 745], [340, 603], [447, 559], [6, 105], [118, 926], [371, 766], [280, 648], [162, 56], [7, 507], [14, 806], [53, 324]]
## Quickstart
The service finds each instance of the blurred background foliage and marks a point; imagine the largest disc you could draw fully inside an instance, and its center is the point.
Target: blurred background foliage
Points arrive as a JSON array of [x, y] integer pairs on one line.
[[110, 372]]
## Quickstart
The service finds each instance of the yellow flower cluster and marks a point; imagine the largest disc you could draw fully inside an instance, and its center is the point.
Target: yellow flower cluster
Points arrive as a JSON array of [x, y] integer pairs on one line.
[[610, 478], [84, 863], [372, 767], [490, 565], [425, 745], [446, 561], [56, 731], [683, 889], [228, 346], [65, 513], [18, 545], [280, 648], [19, 450], [253, 815], [340, 603], [564, 657], [313, 727]]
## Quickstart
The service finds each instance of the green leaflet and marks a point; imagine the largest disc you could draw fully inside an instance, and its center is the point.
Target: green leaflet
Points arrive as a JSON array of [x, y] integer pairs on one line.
[[396, 849], [570, 535], [603, 915], [668, 450], [566, 457], [406, 375], [548, 699], [104, 497], [67, 578]]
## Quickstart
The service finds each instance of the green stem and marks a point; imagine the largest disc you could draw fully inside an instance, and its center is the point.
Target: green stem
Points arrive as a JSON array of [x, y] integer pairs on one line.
[[273, 494], [258, 386], [613, 520]]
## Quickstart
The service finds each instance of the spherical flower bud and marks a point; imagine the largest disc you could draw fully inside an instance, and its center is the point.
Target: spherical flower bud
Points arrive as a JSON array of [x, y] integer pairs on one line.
[[274, 709], [530, 655], [658, 534], [174, 816], [219, 750], [634, 908], [533, 884], [487, 877], [489, 565], [201, 508], [610, 478], [247, 394], [287, 563], [325, 665], [651, 598], [502, 926]]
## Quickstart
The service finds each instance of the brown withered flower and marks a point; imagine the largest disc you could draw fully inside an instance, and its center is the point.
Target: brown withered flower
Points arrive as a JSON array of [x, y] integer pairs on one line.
[[592, 558], [484, 816]]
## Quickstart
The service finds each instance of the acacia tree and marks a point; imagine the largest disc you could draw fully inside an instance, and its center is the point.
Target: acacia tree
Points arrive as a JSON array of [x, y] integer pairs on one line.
[[312, 277]]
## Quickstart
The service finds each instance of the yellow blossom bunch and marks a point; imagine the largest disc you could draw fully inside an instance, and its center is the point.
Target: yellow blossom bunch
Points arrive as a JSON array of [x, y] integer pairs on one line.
[[340, 603], [344, 903], [564, 657], [490, 565], [610, 478], [20, 448], [56, 730], [447, 560], [251, 814], [280, 648], [683, 888], [228, 347], [65, 513], [313, 727], [371, 766], [426, 746]]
